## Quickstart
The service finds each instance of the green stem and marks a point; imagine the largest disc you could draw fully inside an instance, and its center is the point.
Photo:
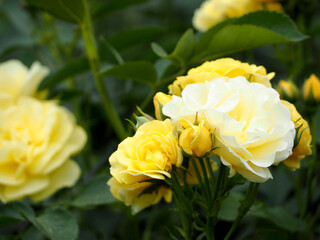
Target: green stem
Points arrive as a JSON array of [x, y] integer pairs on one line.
[[91, 49], [244, 207], [199, 178], [206, 183]]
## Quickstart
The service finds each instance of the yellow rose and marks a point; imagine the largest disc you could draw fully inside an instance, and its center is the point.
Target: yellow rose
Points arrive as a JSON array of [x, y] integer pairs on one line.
[[287, 90], [159, 100], [311, 89], [131, 194], [252, 128], [303, 148], [17, 80], [195, 140], [150, 153], [212, 12], [224, 67], [36, 142]]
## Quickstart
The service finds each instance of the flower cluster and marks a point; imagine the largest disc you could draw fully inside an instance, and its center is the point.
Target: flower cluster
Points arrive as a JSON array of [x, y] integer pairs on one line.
[[37, 137], [212, 12], [224, 108]]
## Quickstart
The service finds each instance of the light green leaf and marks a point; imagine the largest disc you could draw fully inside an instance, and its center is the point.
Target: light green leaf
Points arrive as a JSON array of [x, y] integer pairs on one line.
[[139, 71], [229, 207], [132, 37], [68, 10], [249, 31], [94, 192], [57, 224]]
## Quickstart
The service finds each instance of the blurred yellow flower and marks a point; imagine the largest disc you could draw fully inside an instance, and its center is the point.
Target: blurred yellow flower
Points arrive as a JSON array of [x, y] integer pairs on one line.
[[36, 142], [150, 153], [132, 194], [159, 100], [304, 146], [17, 80], [311, 89], [288, 90], [195, 140], [212, 12], [224, 67]]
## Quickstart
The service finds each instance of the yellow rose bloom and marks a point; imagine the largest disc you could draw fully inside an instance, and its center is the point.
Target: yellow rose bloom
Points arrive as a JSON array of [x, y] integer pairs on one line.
[[150, 153], [287, 90], [311, 89], [36, 142], [159, 100], [224, 67], [303, 148], [212, 12], [131, 194], [17, 80], [195, 140]]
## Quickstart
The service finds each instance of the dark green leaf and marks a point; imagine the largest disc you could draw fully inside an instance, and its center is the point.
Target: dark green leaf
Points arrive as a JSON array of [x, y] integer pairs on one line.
[[139, 71], [94, 192], [249, 31], [68, 10], [132, 37], [69, 70], [103, 10], [229, 207], [57, 224], [14, 211], [317, 126], [279, 216]]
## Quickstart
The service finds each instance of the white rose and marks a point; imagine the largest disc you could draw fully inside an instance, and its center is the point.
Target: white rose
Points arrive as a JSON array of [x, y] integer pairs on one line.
[[252, 128]]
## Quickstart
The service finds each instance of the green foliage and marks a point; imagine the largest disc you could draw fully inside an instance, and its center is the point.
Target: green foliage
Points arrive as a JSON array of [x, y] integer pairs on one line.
[[229, 207], [14, 212], [94, 192]]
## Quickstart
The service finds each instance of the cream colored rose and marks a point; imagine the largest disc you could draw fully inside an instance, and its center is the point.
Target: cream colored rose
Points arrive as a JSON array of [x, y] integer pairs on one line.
[[37, 139], [212, 12], [224, 67], [252, 128], [17, 80], [149, 154], [132, 194]]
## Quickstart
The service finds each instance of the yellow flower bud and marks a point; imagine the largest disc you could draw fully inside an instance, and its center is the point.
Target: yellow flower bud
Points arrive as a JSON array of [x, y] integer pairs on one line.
[[159, 100], [303, 148], [287, 90], [195, 140], [311, 89]]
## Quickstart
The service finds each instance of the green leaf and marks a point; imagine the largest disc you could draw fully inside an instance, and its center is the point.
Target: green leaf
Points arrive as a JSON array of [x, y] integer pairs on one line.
[[94, 192], [129, 38], [158, 50], [249, 31], [279, 216], [69, 70], [229, 207], [183, 49], [102, 10], [68, 10], [57, 224], [14, 212], [139, 71], [317, 126]]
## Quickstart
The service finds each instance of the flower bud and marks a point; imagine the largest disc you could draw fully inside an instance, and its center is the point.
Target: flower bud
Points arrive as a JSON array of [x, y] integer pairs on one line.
[[311, 89], [159, 100], [288, 90], [195, 140]]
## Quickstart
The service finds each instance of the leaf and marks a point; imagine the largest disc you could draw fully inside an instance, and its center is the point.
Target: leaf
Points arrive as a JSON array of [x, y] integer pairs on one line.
[[183, 49], [57, 224], [249, 31], [69, 70], [13, 212], [280, 217], [129, 38], [158, 50], [317, 126], [102, 10], [68, 10], [229, 207], [94, 192], [139, 71]]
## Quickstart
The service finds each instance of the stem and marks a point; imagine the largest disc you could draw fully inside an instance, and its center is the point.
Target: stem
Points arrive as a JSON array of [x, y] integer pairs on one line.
[[244, 207], [199, 178], [91, 49]]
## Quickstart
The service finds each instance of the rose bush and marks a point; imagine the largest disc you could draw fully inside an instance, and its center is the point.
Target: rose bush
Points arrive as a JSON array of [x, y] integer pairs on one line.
[[252, 128]]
